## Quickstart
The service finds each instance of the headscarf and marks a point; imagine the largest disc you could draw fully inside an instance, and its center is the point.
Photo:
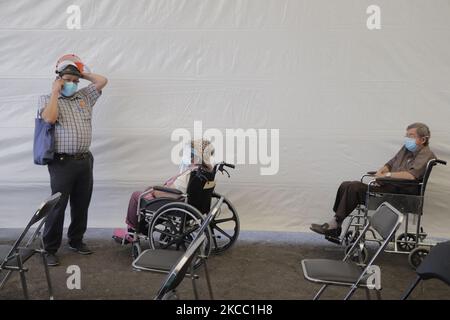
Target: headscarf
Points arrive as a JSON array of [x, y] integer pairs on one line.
[[198, 152]]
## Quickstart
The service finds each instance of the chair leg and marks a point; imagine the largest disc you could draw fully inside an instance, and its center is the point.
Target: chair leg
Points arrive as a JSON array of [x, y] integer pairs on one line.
[[24, 284], [47, 275], [208, 281], [378, 292], [194, 286], [367, 293], [411, 288], [350, 293], [319, 293], [7, 275], [22, 277]]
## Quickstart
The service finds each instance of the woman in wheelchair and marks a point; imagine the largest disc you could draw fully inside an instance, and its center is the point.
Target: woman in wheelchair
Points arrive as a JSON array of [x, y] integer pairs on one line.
[[168, 216], [196, 155], [410, 163]]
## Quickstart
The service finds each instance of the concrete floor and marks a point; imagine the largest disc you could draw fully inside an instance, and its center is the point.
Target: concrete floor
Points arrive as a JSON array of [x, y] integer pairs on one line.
[[262, 266]]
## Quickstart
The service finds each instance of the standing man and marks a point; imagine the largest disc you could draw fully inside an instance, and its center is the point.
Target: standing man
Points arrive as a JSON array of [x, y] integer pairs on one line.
[[71, 170]]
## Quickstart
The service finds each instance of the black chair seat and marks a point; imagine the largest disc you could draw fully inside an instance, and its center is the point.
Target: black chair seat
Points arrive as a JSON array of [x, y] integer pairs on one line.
[[325, 270], [437, 264], [157, 260], [25, 254]]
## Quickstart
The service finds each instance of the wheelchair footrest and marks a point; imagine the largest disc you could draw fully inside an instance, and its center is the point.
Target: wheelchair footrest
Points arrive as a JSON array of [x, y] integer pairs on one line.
[[121, 236], [333, 239]]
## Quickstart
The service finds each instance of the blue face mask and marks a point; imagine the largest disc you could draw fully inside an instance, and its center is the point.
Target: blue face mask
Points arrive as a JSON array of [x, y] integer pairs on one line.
[[410, 144], [69, 89]]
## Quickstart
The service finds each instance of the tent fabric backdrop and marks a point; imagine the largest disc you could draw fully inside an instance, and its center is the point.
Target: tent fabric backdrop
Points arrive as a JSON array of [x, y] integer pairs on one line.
[[341, 96]]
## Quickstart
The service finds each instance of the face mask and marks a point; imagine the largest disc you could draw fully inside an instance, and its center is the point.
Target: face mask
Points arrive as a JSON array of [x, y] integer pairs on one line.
[[69, 89], [410, 144]]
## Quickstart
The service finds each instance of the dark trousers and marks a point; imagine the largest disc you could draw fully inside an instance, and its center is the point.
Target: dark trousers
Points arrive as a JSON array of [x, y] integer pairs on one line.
[[74, 179], [353, 193]]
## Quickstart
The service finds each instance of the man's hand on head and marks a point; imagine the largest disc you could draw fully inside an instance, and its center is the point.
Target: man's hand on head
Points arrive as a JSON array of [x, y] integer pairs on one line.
[[98, 80], [57, 86]]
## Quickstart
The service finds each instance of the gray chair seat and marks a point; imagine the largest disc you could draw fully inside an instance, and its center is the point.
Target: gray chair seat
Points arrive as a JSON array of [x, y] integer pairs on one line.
[[436, 264], [157, 260], [25, 254], [335, 271], [4, 250]]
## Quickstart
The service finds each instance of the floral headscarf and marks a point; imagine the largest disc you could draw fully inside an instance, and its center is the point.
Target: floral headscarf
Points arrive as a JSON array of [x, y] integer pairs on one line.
[[199, 152]]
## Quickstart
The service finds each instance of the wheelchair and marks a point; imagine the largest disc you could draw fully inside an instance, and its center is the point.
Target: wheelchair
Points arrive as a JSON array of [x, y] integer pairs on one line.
[[173, 222], [410, 240]]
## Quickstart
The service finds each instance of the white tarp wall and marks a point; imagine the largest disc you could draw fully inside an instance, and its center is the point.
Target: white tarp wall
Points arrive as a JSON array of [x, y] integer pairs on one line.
[[340, 94]]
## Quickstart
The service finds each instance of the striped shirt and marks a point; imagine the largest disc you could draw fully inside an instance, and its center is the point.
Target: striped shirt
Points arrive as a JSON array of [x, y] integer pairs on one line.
[[73, 128]]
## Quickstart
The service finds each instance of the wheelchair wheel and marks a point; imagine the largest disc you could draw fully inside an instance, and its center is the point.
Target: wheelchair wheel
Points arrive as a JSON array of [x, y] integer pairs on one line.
[[355, 258], [407, 242], [422, 235], [225, 227], [417, 255], [175, 225]]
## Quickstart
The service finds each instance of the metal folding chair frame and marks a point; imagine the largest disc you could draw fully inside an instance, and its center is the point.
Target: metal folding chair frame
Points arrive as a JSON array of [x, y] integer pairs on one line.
[[15, 253], [360, 239]]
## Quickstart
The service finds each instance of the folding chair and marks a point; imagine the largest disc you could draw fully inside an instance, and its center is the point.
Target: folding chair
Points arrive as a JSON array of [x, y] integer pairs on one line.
[[179, 264], [180, 269], [385, 221], [436, 265], [13, 257]]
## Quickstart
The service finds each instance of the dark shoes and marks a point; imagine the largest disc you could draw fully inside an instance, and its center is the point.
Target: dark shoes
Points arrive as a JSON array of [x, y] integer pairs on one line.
[[82, 248], [325, 230], [52, 259]]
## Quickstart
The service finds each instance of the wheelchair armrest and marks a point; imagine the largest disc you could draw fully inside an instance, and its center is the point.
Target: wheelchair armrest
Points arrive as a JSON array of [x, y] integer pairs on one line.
[[368, 174], [398, 181], [168, 190]]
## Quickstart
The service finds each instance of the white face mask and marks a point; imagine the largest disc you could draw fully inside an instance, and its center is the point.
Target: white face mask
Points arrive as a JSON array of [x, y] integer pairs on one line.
[[186, 158], [183, 168]]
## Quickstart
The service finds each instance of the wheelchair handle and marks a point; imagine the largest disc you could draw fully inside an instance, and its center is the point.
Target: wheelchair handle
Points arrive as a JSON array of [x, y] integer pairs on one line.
[[229, 165], [220, 167], [441, 162]]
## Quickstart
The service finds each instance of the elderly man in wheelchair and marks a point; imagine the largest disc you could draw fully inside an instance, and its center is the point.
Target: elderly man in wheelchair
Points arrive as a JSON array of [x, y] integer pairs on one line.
[[168, 216], [403, 174]]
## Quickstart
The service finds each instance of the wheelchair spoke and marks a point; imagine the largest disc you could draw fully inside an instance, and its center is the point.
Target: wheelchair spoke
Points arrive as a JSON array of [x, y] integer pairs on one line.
[[222, 232], [175, 226], [225, 227], [217, 221]]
